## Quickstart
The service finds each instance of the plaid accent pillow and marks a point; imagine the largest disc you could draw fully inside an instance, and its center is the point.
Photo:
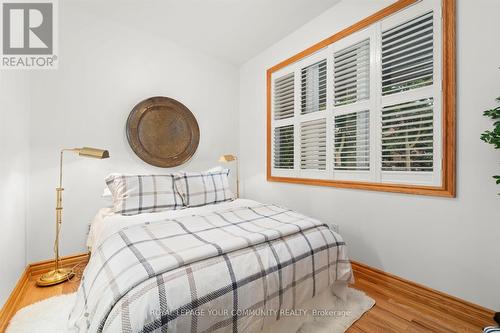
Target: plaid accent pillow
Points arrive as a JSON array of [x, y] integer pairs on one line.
[[204, 188], [136, 194]]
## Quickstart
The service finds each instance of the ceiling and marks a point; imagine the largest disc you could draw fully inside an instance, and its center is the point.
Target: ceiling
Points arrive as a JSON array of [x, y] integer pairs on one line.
[[233, 30]]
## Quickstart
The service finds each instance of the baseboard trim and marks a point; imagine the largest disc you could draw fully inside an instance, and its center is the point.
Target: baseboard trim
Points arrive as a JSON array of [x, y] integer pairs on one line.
[[10, 305], [47, 265], [32, 269], [434, 298]]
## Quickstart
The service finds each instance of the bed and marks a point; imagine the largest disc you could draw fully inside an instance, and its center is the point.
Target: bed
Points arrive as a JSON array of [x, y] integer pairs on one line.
[[237, 266]]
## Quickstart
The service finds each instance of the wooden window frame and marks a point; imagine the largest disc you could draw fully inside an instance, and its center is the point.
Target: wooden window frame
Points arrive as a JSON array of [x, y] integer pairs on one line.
[[448, 183]]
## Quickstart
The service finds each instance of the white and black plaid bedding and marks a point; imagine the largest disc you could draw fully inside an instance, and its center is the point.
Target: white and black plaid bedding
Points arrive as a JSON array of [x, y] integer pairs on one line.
[[228, 271]]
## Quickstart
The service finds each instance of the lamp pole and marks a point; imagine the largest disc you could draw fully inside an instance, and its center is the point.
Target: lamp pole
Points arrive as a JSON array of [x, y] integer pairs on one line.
[[237, 177], [59, 274]]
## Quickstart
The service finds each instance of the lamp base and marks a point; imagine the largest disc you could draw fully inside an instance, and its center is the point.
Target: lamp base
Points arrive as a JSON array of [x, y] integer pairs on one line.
[[54, 277]]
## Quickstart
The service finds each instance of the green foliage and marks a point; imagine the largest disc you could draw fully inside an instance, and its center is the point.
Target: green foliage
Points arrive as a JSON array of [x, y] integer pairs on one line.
[[493, 136]]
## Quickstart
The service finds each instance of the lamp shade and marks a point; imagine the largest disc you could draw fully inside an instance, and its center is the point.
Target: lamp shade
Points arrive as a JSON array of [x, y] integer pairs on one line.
[[227, 158], [93, 152]]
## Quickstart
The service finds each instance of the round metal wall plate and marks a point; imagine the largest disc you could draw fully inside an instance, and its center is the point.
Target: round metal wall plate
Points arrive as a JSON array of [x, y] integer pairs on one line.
[[163, 132]]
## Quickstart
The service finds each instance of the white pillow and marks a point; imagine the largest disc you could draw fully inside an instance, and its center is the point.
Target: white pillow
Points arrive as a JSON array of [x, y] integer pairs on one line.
[[106, 193], [136, 194], [204, 188]]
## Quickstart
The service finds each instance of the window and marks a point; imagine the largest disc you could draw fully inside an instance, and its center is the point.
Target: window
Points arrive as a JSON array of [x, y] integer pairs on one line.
[[371, 107]]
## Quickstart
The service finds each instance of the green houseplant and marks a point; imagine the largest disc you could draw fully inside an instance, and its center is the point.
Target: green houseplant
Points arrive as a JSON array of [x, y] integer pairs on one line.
[[493, 136]]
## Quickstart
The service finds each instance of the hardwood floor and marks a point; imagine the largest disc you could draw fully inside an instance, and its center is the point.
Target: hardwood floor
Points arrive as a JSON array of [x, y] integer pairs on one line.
[[396, 310], [33, 294]]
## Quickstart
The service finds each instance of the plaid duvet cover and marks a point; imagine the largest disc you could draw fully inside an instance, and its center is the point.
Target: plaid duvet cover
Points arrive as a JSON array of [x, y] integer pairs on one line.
[[237, 270]]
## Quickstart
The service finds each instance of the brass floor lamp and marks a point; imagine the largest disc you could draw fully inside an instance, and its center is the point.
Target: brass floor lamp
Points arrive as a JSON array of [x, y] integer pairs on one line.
[[59, 274]]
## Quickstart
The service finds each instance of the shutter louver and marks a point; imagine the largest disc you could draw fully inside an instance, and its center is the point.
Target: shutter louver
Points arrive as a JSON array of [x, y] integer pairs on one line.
[[313, 145], [408, 136], [352, 74], [283, 147], [313, 88], [284, 97], [408, 55], [352, 141]]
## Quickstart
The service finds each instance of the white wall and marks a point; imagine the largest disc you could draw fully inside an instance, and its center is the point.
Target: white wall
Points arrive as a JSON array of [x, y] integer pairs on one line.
[[14, 166], [448, 244], [105, 69]]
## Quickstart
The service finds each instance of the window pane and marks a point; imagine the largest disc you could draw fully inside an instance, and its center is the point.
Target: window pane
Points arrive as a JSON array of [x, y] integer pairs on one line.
[[352, 141], [313, 88], [408, 136], [283, 147], [284, 97], [352, 74], [408, 55], [313, 145]]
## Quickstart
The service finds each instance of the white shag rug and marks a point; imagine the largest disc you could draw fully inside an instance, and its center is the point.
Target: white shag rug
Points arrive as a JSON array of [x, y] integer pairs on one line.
[[336, 315]]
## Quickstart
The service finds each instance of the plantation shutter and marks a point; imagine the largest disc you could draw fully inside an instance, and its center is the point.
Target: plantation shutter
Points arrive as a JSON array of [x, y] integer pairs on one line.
[[284, 147], [284, 97], [408, 121], [313, 88], [366, 108], [408, 136], [408, 55], [313, 144], [352, 141], [352, 74]]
